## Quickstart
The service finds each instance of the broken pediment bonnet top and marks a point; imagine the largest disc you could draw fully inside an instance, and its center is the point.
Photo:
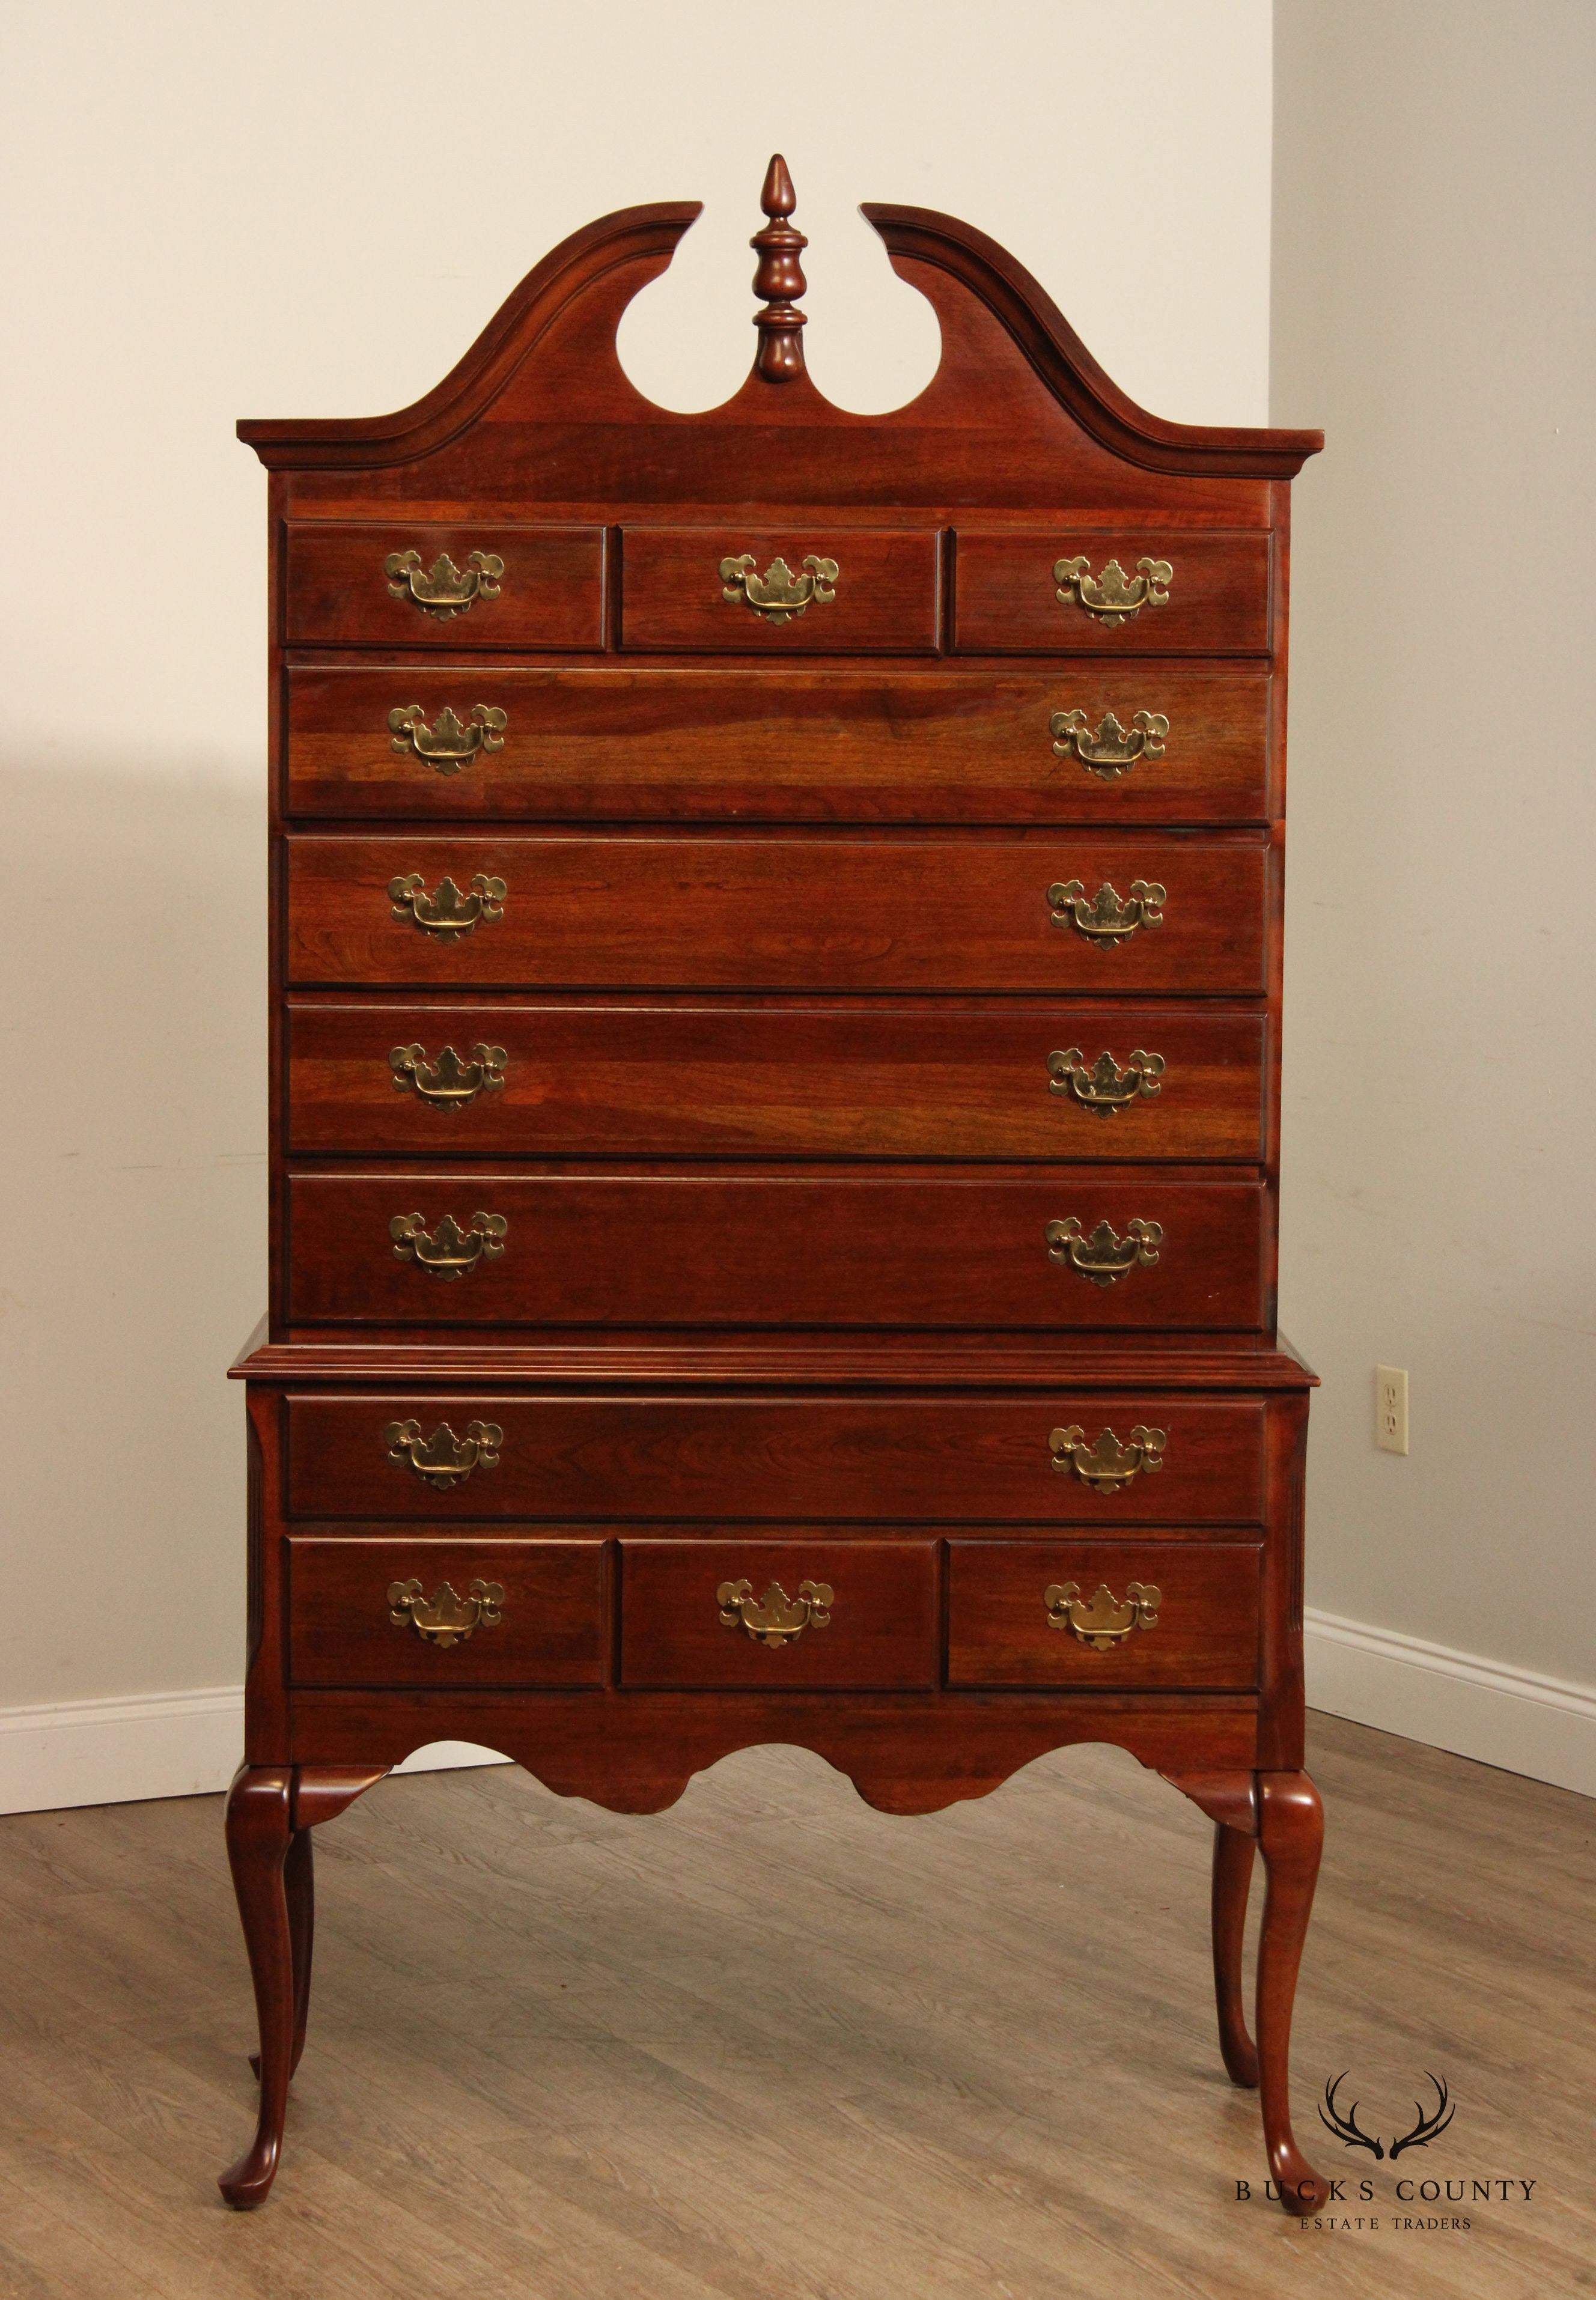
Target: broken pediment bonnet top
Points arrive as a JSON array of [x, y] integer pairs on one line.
[[996, 322]]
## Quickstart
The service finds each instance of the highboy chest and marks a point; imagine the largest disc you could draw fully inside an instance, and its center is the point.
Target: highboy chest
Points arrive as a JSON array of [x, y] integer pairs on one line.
[[775, 961]]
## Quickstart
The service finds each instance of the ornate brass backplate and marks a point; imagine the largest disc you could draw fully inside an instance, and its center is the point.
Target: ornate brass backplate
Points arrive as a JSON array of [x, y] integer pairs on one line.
[[446, 1618], [443, 590], [1102, 1622], [450, 743], [779, 594], [449, 913], [450, 1082], [1103, 918], [1113, 596], [1102, 1087], [444, 1460], [1103, 1257], [1114, 748], [448, 1251], [774, 1620], [1107, 1467]]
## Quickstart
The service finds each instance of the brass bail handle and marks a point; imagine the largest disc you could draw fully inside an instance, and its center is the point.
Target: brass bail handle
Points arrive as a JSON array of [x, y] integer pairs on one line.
[[446, 1618], [1101, 1620], [443, 1460], [443, 589], [1113, 750], [1107, 1466], [779, 594], [451, 742], [449, 913], [775, 1619], [1106, 918], [1113, 597], [448, 1252], [1104, 1257], [1102, 1087]]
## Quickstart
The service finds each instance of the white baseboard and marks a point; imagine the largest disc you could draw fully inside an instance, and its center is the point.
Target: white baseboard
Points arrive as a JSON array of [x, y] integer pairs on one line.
[[151, 1744], [163, 1744], [1512, 1717]]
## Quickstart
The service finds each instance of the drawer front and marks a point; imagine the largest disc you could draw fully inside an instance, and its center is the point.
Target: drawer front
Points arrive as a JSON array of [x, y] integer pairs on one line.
[[392, 1608], [804, 590], [451, 1249], [1183, 593], [413, 1454], [1154, 742], [704, 1081], [1076, 912], [1089, 1614], [778, 1615], [410, 584]]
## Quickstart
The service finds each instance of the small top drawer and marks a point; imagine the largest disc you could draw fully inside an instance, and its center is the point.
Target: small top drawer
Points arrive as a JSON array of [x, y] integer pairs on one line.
[[411, 583], [813, 590], [1076, 590]]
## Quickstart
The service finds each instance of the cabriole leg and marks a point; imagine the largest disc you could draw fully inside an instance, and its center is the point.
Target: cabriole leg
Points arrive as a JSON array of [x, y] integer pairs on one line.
[[299, 1884], [1233, 1876], [258, 1834], [1290, 1833]]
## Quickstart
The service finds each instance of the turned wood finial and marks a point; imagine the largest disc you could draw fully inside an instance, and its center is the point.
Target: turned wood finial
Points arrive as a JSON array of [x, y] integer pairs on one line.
[[778, 277]]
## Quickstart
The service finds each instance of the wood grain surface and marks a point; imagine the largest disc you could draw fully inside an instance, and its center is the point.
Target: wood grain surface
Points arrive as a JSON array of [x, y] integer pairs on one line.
[[766, 1455], [876, 913], [338, 593], [732, 1079], [719, 1249], [691, 743], [1005, 599]]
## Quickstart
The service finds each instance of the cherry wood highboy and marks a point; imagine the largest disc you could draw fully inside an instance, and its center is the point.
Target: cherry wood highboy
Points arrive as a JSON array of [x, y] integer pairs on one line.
[[775, 959]]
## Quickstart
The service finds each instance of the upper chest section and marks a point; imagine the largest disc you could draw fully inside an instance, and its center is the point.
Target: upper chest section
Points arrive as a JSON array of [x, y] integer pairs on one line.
[[535, 499]]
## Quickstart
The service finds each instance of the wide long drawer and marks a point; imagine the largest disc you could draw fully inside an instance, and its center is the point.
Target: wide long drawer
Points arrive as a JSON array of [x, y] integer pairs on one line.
[[1086, 910], [736, 1249], [1070, 1458], [1149, 741], [570, 1078], [1086, 1614], [401, 1610]]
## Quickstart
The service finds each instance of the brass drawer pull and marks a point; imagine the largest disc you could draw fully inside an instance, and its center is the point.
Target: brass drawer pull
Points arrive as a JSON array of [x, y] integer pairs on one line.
[[1103, 1622], [1113, 596], [448, 1083], [1106, 1467], [445, 591], [444, 1460], [1103, 917], [1103, 1257], [1113, 748], [779, 594], [448, 912], [1103, 1088], [449, 1252], [774, 1620], [452, 742], [446, 1620]]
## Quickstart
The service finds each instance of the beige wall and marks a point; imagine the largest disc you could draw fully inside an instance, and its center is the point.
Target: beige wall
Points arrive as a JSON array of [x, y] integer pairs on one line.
[[1432, 309], [311, 210]]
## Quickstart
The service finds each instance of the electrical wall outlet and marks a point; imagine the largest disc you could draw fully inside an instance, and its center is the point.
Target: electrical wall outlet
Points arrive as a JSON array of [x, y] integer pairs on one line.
[[1391, 1409]]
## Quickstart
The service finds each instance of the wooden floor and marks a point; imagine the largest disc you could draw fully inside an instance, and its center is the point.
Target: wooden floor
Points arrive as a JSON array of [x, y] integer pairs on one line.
[[772, 2046]]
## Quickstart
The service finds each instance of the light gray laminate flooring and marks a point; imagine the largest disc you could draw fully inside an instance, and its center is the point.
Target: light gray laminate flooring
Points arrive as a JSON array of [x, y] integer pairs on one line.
[[773, 2046]]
